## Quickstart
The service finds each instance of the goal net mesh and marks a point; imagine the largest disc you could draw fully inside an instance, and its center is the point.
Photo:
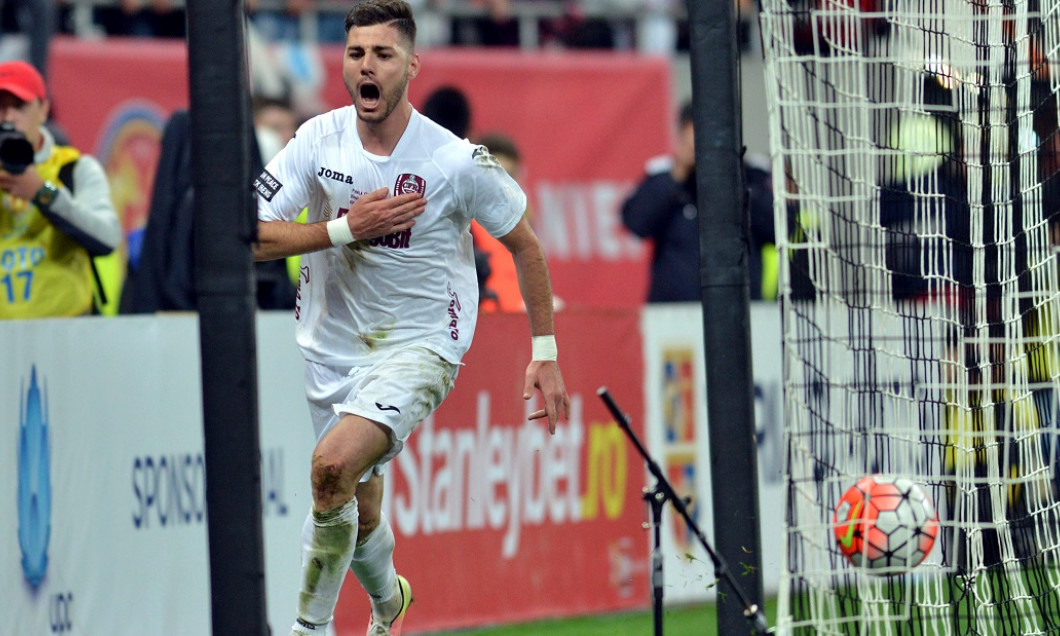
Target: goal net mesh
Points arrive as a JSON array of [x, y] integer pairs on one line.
[[915, 151]]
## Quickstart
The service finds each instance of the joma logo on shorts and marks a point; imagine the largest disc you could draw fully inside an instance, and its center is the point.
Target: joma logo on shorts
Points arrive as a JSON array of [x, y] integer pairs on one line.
[[334, 175]]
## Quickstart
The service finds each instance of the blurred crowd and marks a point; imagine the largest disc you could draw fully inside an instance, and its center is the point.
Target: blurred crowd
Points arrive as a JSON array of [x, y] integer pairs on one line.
[[283, 35], [654, 26]]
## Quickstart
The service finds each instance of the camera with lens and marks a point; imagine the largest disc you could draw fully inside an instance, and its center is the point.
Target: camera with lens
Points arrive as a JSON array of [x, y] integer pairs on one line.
[[16, 152]]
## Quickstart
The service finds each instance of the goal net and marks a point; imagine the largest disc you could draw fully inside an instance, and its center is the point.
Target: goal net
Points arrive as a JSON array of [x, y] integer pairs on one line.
[[915, 151]]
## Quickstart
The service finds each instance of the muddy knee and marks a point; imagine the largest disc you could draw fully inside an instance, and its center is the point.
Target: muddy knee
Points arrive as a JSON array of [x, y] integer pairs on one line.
[[328, 479]]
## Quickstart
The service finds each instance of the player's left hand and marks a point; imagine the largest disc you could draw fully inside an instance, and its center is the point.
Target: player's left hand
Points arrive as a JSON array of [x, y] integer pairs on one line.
[[544, 375]]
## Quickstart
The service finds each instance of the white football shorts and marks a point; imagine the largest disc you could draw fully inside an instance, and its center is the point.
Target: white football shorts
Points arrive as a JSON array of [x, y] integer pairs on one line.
[[398, 391]]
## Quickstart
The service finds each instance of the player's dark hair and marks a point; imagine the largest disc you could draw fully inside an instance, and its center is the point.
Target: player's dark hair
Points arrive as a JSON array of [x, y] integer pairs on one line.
[[396, 13]]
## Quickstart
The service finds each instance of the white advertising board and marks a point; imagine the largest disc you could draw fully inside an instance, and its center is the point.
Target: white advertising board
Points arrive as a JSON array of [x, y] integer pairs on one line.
[[102, 509], [103, 513], [675, 404]]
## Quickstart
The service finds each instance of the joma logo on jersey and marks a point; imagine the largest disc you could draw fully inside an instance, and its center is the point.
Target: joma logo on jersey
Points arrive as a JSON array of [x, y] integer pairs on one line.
[[335, 175], [397, 240], [303, 278], [407, 183], [454, 312]]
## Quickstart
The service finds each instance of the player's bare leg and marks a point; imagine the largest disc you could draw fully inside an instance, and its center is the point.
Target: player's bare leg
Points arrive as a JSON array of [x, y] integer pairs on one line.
[[329, 537], [373, 560]]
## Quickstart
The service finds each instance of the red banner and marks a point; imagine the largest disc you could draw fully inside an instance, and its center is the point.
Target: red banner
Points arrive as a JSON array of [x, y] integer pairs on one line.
[[497, 521], [585, 124]]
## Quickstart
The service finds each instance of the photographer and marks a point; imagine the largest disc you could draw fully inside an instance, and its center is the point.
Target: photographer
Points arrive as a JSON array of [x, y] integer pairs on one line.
[[56, 212]]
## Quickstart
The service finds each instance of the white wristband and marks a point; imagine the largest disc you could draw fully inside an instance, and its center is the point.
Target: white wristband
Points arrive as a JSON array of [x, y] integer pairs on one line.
[[544, 347], [339, 232]]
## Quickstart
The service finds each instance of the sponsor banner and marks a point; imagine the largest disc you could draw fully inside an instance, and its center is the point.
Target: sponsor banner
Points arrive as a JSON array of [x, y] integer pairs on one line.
[[496, 520], [107, 500], [675, 416], [108, 487], [585, 124], [104, 518]]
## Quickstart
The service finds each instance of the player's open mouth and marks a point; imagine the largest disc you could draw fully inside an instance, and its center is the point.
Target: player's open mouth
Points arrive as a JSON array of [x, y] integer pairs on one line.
[[369, 94]]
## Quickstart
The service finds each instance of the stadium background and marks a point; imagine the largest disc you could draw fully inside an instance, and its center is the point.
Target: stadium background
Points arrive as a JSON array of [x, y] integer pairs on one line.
[[126, 444], [586, 123]]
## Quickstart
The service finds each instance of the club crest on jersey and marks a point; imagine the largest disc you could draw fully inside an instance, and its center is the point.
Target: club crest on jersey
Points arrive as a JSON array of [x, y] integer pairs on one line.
[[407, 183]]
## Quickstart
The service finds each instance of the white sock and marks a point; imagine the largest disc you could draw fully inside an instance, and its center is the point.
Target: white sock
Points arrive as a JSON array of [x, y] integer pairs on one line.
[[373, 564], [328, 542]]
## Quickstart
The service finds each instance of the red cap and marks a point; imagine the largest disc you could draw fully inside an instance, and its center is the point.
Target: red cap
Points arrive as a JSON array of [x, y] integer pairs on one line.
[[22, 80]]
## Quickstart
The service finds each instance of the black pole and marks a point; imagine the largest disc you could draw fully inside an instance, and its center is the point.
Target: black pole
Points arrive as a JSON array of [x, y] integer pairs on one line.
[[656, 499], [724, 250], [224, 279]]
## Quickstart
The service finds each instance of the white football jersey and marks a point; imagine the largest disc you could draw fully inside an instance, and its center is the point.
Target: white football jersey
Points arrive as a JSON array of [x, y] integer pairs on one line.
[[413, 287]]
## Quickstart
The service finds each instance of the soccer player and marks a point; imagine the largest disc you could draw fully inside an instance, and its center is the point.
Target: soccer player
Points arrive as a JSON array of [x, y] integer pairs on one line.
[[387, 299]]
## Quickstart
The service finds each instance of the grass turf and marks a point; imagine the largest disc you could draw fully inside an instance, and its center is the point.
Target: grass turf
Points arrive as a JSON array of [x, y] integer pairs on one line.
[[698, 620]]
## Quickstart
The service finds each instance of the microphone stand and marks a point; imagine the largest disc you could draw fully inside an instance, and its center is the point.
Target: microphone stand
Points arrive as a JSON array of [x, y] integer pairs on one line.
[[657, 498]]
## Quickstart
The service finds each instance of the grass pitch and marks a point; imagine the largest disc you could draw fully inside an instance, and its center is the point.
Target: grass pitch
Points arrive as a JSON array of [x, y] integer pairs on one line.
[[697, 620]]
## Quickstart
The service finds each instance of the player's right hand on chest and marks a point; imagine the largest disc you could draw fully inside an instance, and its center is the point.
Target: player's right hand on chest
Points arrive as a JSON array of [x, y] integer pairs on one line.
[[375, 214]]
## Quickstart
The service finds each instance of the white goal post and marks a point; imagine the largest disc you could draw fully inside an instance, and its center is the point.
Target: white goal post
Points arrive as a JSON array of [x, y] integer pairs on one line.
[[915, 150]]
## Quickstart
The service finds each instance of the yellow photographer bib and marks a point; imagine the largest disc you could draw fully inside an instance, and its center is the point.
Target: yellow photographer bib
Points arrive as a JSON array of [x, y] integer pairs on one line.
[[43, 272]]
